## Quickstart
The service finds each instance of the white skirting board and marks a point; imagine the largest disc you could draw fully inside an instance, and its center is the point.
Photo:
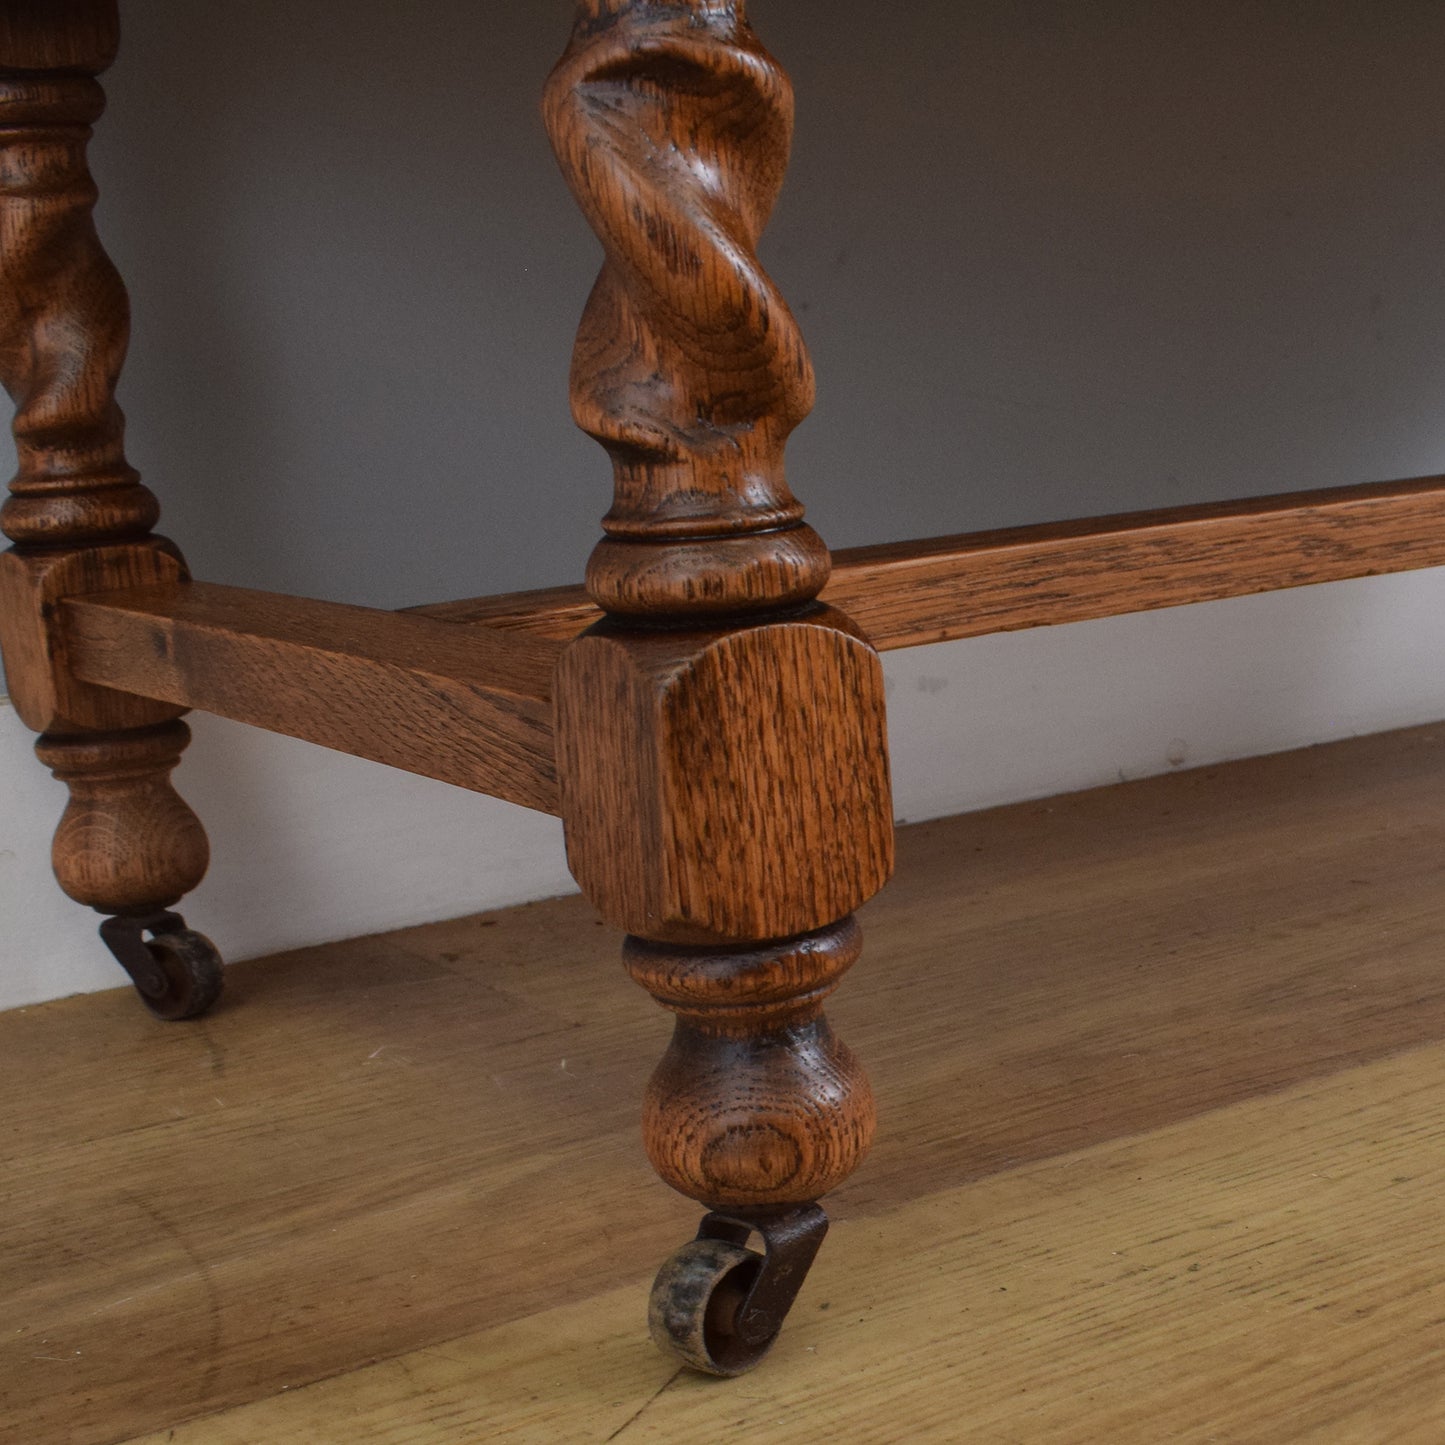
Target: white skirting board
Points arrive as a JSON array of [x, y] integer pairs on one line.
[[310, 846]]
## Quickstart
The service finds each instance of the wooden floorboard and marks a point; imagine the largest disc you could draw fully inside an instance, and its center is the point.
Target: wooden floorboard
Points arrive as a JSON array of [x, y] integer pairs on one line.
[[427, 1142], [1269, 1272]]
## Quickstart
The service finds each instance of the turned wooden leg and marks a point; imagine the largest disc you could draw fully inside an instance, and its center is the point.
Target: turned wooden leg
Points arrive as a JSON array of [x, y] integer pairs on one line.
[[725, 796], [756, 1104], [756, 1110], [78, 517], [129, 847], [720, 735]]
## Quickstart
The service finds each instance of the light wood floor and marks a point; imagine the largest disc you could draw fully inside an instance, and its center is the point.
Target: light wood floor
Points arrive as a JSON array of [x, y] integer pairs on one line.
[[1161, 1071]]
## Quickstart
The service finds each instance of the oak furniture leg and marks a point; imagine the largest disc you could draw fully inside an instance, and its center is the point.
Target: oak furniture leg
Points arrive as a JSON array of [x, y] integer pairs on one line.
[[720, 734], [78, 517]]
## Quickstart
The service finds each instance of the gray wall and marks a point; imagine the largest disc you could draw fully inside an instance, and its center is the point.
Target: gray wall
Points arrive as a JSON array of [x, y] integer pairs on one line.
[[1054, 257]]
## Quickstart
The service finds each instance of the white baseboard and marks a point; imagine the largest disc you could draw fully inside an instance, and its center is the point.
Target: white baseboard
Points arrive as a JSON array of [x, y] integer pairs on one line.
[[1028, 714], [306, 845], [309, 845]]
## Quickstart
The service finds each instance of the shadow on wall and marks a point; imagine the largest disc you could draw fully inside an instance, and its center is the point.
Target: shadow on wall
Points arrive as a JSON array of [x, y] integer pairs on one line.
[[356, 275], [1053, 258]]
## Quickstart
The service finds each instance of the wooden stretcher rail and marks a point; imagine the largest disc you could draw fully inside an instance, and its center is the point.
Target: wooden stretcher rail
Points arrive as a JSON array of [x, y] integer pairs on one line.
[[904, 594], [472, 705], [468, 706]]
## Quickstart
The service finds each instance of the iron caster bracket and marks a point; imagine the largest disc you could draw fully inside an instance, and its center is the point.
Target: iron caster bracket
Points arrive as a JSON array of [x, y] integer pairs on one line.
[[718, 1305], [790, 1244], [125, 935]]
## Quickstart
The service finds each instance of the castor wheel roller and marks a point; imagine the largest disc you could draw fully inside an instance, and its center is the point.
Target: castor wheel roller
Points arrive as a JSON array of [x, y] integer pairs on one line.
[[718, 1305], [176, 971]]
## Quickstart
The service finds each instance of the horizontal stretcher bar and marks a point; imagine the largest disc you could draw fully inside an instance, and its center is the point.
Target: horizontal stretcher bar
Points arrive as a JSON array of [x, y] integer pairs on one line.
[[471, 704], [468, 706], [904, 594]]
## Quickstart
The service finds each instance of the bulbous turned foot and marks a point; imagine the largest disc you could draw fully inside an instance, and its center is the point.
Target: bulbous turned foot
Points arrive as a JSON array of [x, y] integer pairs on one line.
[[756, 1109], [718, 1305], [130, 848], [757, 1104]]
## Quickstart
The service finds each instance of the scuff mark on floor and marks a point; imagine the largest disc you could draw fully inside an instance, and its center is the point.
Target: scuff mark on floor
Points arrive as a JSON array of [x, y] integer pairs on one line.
[[644, 1407]]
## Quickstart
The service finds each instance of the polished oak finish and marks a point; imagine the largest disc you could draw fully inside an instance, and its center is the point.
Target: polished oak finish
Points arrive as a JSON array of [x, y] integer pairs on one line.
[[559, 613], [40, 672], [909, 593], [64, 319], [672, 125], [58, 35], [721, 744], [732, 1119], [468, 706], [734, 786], [904, 594], [900, 594], [77, 514], [126, 842]]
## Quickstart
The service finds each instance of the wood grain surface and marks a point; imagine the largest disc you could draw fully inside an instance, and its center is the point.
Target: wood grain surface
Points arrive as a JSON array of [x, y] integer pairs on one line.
[[469, 707], [77, 513], [382, 1146], [909, 593], [1263, 1275], [728, 786], [127, 842], [672, 126], [58, 34], [64, 315], [39, 671], [757, 1102], [903, 594], [721, 749]]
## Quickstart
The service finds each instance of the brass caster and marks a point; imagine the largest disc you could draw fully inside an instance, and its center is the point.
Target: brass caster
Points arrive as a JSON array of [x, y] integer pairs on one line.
[[176, 971], [719, 1305]]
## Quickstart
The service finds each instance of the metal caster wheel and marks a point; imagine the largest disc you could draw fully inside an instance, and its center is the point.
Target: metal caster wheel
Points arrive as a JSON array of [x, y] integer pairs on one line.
[[718, 1305], [176, 971], [191, 967], [695, 1303]]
